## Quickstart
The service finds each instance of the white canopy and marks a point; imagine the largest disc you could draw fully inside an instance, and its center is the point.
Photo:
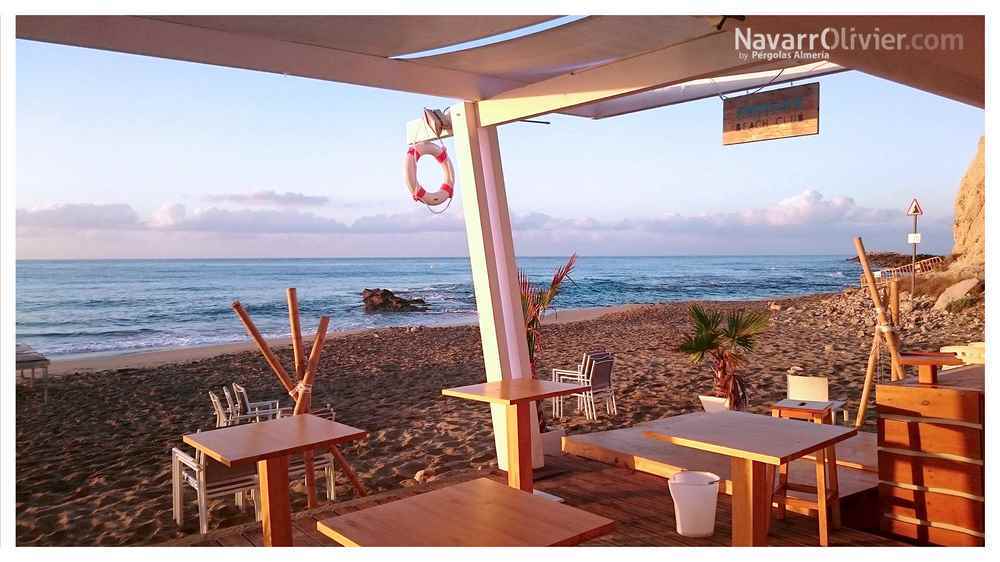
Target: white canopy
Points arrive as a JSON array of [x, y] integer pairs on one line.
[[596, 66]]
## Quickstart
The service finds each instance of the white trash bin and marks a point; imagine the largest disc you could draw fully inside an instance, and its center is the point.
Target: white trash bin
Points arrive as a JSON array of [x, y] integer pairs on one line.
[[695, 496]]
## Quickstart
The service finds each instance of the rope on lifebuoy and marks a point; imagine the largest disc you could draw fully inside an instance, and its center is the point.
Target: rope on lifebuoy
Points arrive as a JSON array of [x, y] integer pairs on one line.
[[447, 190]]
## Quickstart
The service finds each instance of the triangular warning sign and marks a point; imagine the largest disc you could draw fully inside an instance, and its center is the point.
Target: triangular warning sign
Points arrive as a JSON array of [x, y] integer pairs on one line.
[[915, 209]]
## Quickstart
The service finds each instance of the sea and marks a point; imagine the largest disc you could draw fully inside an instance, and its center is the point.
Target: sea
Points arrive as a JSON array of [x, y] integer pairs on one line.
[[76, 308]]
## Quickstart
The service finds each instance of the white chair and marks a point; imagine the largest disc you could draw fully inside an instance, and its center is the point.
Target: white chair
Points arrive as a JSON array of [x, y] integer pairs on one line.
[[595, 372], [714, 404], [212, 479], [226, 416], [814, 389], [245, 406]]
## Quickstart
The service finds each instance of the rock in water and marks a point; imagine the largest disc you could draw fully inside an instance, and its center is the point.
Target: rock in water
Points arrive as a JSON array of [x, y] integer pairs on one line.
[[377, 300]]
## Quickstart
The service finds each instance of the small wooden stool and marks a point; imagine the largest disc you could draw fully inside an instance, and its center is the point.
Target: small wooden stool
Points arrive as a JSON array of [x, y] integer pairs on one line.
[[827, 488]]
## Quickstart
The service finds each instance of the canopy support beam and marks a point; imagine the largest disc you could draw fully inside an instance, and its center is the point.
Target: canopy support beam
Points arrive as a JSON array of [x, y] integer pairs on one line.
[[704, 57], [494, 268]]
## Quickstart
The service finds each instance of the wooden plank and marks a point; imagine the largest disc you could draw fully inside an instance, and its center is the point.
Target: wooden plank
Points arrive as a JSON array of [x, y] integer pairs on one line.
[[775, 114], [751, 503], [927, 534], [931, 437], [750, 436], [934, 473], [519, 468], [513, 391], [275, 508], [256, 441], [943, 403], [932, 506], [480, 512], [629, 448]]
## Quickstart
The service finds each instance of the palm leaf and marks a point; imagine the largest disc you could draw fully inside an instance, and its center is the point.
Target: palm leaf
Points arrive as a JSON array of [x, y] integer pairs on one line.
[[705, 321]]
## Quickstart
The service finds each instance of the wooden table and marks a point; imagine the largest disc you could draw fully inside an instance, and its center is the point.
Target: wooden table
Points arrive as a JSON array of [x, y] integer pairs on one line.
[[269, 444], [756, 444], [517, 395], [814, 411], [479, 512]]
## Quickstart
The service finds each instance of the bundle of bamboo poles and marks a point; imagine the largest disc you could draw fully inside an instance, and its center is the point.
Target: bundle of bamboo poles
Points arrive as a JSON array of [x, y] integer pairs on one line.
[[305, 374], [885, 328]]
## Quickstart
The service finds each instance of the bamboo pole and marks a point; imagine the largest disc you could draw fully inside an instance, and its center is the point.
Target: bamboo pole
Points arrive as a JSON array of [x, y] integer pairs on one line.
[[264, 348], [894, 301], [296, 329], [866, 389], [350, 472], [891, 342], [304, 400]]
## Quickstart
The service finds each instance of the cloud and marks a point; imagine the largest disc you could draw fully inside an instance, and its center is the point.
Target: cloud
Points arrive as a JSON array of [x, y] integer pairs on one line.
[[79, 216], [271, 198], [175, 217], [806, 222]]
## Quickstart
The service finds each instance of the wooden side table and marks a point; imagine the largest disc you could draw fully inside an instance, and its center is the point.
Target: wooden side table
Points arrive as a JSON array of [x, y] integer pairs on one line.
[[517, 395], [814, 411]]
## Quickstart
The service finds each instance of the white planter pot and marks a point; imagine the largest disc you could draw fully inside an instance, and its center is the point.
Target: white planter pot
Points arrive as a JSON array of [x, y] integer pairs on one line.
[[713, 404], [552, 442]]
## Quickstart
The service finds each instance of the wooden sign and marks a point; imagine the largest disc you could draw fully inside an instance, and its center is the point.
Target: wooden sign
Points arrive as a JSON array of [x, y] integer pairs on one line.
[[777, 114]]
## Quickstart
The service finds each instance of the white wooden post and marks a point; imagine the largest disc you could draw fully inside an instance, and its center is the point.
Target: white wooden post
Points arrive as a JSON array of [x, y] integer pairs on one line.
[[494, 269]]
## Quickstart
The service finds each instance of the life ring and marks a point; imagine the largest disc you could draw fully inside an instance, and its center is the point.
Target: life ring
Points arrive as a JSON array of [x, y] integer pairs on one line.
[[410, 165]]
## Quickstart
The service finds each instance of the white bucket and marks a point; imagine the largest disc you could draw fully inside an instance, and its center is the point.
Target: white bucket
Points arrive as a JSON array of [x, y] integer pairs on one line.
[[695, 496]]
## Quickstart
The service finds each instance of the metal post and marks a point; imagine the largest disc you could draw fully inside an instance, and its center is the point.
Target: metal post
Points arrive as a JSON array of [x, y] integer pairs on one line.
[[913, 270]]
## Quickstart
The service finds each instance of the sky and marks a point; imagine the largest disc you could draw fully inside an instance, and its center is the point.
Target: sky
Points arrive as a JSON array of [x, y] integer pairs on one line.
[[124, 156]]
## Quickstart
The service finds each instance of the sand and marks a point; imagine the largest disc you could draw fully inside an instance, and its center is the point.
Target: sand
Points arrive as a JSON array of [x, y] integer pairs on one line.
[[93, 464]]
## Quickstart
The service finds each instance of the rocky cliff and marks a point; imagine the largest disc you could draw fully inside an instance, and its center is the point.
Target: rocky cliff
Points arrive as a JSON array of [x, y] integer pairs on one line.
[[970, 204]]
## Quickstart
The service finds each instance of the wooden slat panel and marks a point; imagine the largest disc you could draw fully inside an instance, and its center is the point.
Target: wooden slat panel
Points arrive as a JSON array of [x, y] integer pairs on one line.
[[931, 472], [941, 403], [928, 535], [931, 438], [931, 506]]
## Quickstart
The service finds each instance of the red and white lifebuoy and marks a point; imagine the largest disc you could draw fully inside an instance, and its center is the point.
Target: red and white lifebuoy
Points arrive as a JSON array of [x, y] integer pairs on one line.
[[410, 164]]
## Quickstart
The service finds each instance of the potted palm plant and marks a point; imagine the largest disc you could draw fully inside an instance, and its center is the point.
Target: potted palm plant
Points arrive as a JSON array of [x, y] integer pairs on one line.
[[535, 301], [725, 341]]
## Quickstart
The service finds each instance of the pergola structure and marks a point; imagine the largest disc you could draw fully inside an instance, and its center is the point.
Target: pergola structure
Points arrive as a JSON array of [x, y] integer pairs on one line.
[[597, 67]]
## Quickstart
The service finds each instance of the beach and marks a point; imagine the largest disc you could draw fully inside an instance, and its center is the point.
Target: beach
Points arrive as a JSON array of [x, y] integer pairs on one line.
[[93, 463]]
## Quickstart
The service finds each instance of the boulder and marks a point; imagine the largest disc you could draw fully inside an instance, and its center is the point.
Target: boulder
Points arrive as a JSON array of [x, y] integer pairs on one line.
[[955, 292], [970, 225], [377, 300]]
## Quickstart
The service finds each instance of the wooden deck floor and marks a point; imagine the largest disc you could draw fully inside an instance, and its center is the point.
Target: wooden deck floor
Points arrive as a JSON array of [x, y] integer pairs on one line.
[[638, 502]]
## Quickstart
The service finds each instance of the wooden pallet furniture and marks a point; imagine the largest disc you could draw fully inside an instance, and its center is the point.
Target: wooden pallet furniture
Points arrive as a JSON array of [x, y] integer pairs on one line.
[[479, 512], [639, 503], [931, 442], [756, 445], [269, 444], [517, 396]]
